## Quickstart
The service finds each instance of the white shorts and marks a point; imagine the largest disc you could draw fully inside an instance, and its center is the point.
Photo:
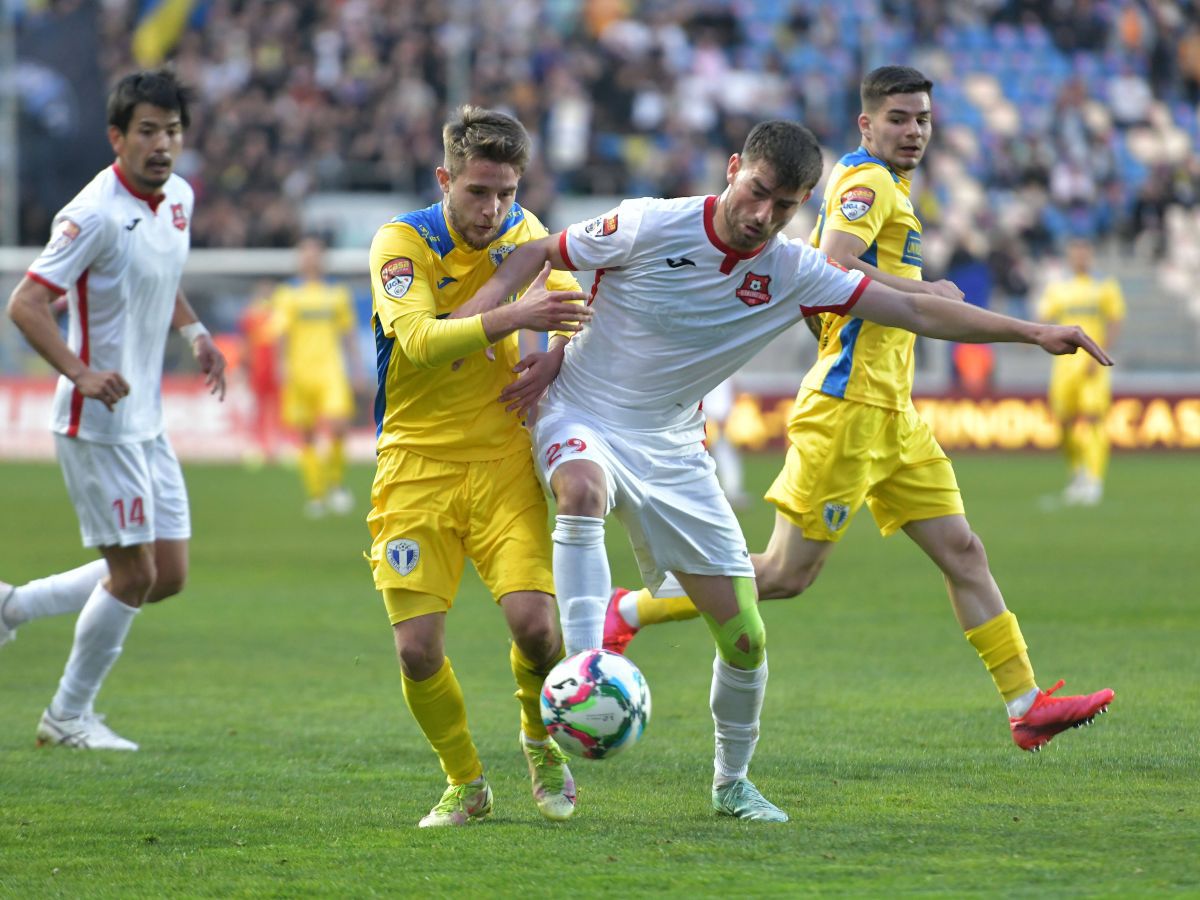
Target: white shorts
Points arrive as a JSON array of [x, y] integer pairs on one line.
[[663, 487], [125, 494]]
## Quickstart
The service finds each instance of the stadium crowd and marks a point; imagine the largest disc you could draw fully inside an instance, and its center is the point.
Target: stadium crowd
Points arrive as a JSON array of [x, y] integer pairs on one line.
[[1052, 116]]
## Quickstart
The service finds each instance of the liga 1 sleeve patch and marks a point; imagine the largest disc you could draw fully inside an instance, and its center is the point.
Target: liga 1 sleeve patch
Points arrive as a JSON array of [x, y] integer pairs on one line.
[[64, 235], [856, 202], [396, 277], [602, 226]]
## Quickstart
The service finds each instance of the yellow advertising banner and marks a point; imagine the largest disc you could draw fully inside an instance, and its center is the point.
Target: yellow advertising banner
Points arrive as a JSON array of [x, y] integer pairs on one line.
[[1149, 422]]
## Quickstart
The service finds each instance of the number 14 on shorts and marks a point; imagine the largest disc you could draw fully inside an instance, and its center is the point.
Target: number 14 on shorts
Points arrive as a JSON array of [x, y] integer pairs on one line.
[[137, 515]]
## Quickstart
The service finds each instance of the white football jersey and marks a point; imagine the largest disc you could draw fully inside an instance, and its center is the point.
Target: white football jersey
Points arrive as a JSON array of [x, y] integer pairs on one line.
[[119, 255], [676, 311]]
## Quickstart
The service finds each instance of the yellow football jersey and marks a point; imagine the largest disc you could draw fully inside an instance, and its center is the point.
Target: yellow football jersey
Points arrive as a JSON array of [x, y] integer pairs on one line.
[[860, 360], [421, 271], [312, 317], [1091, 303]]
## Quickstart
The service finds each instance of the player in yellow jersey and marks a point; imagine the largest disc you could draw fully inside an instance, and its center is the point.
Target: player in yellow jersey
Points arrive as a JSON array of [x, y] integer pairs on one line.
[[1080, 395], [455, 476], [321, 368], [854, 435]]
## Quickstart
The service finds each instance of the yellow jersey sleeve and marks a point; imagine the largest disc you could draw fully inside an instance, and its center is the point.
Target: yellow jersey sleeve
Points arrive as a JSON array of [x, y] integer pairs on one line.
[[861, 203], [344, 312], [404, 302], [281, 312], [1113, 304], [1050, 306]]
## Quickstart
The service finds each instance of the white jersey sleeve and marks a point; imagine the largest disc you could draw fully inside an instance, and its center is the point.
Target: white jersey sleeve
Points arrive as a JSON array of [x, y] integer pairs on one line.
[[821, 285], [79, 237], [605, 242]]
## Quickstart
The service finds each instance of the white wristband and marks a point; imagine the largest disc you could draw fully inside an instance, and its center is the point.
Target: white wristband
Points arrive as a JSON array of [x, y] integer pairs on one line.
[[192, 331]]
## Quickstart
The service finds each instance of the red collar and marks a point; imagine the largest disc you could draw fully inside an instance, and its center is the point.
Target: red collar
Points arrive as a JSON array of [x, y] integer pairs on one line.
[[151, 200], [732, 257]]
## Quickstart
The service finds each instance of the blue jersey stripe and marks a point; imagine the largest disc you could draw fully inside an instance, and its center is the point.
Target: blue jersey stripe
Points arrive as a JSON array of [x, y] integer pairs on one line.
[[838, 375], [862, 156], [383, 358], [871, 254], [430, 223], [515, 217]]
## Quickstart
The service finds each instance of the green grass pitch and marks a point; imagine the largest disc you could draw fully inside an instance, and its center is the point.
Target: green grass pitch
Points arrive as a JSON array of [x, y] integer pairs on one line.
[[279, 759]]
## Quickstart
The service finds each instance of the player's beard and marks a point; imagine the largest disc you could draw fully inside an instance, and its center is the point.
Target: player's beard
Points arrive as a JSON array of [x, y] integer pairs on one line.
[[464, 230]]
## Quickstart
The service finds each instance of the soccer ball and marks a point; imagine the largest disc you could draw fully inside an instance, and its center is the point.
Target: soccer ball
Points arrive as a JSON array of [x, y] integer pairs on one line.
[[595, 704]]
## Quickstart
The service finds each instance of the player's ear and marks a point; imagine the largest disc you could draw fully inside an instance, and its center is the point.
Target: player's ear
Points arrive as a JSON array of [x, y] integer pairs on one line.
[[115, 139], [443, 177], [735, 165], [864, 124]]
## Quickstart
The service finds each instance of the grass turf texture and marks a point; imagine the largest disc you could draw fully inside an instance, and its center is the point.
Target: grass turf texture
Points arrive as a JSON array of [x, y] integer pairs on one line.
[[279, 760]]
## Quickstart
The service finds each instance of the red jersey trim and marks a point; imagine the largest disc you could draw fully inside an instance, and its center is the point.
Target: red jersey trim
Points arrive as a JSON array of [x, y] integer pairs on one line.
[[151, 200], [45, 282], [732, 257], [84, 354], [843, 308], [562, 251], [595, 284]]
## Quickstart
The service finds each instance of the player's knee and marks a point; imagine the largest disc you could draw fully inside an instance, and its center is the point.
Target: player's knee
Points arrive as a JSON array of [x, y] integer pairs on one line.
[[965, 557], [581, 493], [134, 581], [167, 584], [777, 581], [742, 641], [539, 642], [418, 661]]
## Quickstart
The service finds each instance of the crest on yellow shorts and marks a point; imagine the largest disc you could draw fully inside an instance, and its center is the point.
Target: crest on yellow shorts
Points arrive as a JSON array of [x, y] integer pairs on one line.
[[403, 555]]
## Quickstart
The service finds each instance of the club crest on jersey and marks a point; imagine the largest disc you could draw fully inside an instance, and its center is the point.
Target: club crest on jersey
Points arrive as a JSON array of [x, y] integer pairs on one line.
[[496, 254], [178, 219], [63, 237], [403, 555], [755, 289], [856, 202], [397, 276], [835, 516]]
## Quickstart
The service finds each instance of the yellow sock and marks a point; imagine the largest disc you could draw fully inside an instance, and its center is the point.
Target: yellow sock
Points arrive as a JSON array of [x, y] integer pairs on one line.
[[335, 463], [1002, 649], [652, 610], [437, 705], [529, 692], [1096, 450], [310, 472]]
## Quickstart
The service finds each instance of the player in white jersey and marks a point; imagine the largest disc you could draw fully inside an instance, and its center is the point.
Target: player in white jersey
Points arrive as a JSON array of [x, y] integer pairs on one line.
[[685, 292], [117, 251]]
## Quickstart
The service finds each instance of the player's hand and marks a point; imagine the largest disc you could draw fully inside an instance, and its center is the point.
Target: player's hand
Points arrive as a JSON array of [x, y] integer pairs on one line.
[[212, 364], [541, 310], [107, 387], [944, 288], [534, 374], [1063, 339]]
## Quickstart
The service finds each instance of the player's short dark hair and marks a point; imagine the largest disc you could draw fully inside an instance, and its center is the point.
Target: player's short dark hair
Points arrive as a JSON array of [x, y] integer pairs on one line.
[[484, 134], [789, 148], [887, 80], [158, 87]]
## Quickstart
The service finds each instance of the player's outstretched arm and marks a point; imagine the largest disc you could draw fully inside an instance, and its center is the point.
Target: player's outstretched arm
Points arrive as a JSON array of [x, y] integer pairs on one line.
[[847, 249], [517, 270], [538, 310], [29, 309], [952, 321]]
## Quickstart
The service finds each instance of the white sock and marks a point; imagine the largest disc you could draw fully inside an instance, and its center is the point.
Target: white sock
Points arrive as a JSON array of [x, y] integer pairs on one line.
[[736, 701], [627, 606], [1018, 706], [99, 635], [54, 595], [582, 581], [729, 466]]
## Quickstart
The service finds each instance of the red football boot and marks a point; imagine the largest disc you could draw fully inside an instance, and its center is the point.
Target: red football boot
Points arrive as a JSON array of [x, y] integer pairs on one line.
[[1050, 715], [617, 632]]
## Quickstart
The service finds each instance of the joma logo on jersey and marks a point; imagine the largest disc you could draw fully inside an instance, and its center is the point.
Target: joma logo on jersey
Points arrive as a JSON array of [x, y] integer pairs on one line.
[[496, 254], [403, 555], [755, 290]]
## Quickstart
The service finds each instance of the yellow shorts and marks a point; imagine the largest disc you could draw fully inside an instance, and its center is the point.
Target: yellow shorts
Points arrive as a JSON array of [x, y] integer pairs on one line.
[[841, 453], [1080, 390], [427, 517], [311, 400]]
